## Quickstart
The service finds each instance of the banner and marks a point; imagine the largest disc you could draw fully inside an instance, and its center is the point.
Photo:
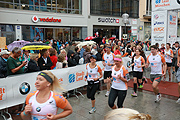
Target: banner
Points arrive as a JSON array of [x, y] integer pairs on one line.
[[159, 26], [14, 89], [172, 27], [165, 5]]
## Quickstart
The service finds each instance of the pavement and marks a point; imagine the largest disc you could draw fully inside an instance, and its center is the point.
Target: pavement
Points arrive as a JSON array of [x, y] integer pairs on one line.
[[166, 109]]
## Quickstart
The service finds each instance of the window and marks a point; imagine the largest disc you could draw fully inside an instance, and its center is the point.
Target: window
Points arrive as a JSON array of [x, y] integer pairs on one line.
[[115, 7], [60, 6]]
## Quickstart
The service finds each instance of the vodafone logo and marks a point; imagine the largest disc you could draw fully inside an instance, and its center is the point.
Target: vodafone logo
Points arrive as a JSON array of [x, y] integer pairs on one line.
[[35, 19]]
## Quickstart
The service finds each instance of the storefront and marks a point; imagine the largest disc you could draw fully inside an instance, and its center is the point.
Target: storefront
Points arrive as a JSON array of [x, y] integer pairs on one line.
[[111, 27], [45, 23]]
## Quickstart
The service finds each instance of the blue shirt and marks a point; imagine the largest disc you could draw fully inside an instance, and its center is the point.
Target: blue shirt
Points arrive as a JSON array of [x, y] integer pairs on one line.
[[81, 52]]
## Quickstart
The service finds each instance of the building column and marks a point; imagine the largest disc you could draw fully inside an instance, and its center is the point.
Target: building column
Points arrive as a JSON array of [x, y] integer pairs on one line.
[[120, 29]]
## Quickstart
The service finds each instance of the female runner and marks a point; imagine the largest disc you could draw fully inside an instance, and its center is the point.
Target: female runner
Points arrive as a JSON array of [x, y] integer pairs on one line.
[[93, 80], [43, 103], [120, 77], [138, 64]]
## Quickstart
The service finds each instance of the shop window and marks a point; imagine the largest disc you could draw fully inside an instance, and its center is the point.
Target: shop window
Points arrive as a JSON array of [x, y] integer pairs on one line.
[[46, 5], [62, 6]]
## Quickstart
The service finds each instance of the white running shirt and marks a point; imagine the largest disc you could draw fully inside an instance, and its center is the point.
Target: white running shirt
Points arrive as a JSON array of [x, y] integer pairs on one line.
[[138, 62], [168, 59], [93, 73], [40, 110], [156, 63], [108, 58], [117, 83]]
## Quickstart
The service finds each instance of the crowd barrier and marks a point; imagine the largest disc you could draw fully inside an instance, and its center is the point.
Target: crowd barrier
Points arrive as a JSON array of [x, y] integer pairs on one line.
[[14, 89]]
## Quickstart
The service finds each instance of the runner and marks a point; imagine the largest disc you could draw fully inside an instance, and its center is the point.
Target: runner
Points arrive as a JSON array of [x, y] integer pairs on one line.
[[43, 103], [156, 61], [168, 58], [138, 64], [178, 75], [93, 80], [120, 77], [174, 61], [108, 62]]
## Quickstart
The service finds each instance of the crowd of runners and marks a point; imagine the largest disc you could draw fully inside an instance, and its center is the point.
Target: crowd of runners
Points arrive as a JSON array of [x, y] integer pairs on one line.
[[43, 103]]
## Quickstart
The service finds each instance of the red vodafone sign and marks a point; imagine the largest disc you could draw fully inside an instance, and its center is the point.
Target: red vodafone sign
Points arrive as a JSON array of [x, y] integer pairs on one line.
[[35, 19]]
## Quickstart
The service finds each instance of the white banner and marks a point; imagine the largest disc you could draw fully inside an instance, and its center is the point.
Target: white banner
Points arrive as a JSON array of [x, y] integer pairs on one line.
[[14, 89], [159, 26], [172, 27], [165, 5]]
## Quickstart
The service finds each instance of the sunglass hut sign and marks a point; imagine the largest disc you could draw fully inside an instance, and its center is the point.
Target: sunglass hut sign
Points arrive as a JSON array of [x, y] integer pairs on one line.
[[35, 19], [108, 20]]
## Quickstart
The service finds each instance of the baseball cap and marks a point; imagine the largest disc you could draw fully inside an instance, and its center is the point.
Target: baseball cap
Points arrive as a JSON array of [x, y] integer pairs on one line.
[[93, 57], [5, 52]]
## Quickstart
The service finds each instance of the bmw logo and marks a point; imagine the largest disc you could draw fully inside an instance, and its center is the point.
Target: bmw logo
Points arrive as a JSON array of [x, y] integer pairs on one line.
[[38, 109], [24, 88], [178, 1]]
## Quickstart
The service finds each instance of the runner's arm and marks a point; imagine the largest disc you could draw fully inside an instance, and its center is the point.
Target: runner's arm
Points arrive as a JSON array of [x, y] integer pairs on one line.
[[67, 111]]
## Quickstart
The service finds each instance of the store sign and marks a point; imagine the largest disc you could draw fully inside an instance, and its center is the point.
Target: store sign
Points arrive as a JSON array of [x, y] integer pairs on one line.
[[35, 19], [108, 20], [165, 4]]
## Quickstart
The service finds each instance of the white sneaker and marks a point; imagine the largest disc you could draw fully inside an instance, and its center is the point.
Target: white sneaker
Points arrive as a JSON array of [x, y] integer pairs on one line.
[[93, 110], [178, 101], [158, 98], [107, 94]]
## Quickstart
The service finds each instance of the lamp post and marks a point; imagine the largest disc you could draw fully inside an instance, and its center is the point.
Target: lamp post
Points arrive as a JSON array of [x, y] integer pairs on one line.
[[125, 20]]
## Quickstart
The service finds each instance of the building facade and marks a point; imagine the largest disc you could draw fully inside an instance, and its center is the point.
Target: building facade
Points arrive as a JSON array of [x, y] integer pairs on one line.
[[67, 19]]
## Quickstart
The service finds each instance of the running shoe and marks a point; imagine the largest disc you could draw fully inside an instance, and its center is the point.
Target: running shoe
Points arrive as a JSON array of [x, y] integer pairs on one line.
[[141, 86], [134, 94], [93, 110], [173, 72], [178, 101], [158, 98], [107, 94]]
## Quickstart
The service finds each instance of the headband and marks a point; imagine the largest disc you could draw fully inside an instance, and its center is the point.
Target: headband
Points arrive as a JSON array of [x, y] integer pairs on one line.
[[49, 79], [118, 59]]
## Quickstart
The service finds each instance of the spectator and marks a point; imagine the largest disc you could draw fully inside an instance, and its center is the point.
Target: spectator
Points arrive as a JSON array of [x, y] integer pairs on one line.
[[53, 58], [25, 57], [54, 45], [71, 60], [61, 62], [3, 63], [33, 64], [44, 62], [83, 50], [77, 54], [162, 49], [117, 50], [63, 51], [100, 53], [14, 66], [94, 50], [71, 46], [129, 50], [87, 54]]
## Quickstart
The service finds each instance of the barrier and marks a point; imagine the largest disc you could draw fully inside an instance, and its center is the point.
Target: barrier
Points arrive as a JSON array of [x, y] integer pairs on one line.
[[14, 89]]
